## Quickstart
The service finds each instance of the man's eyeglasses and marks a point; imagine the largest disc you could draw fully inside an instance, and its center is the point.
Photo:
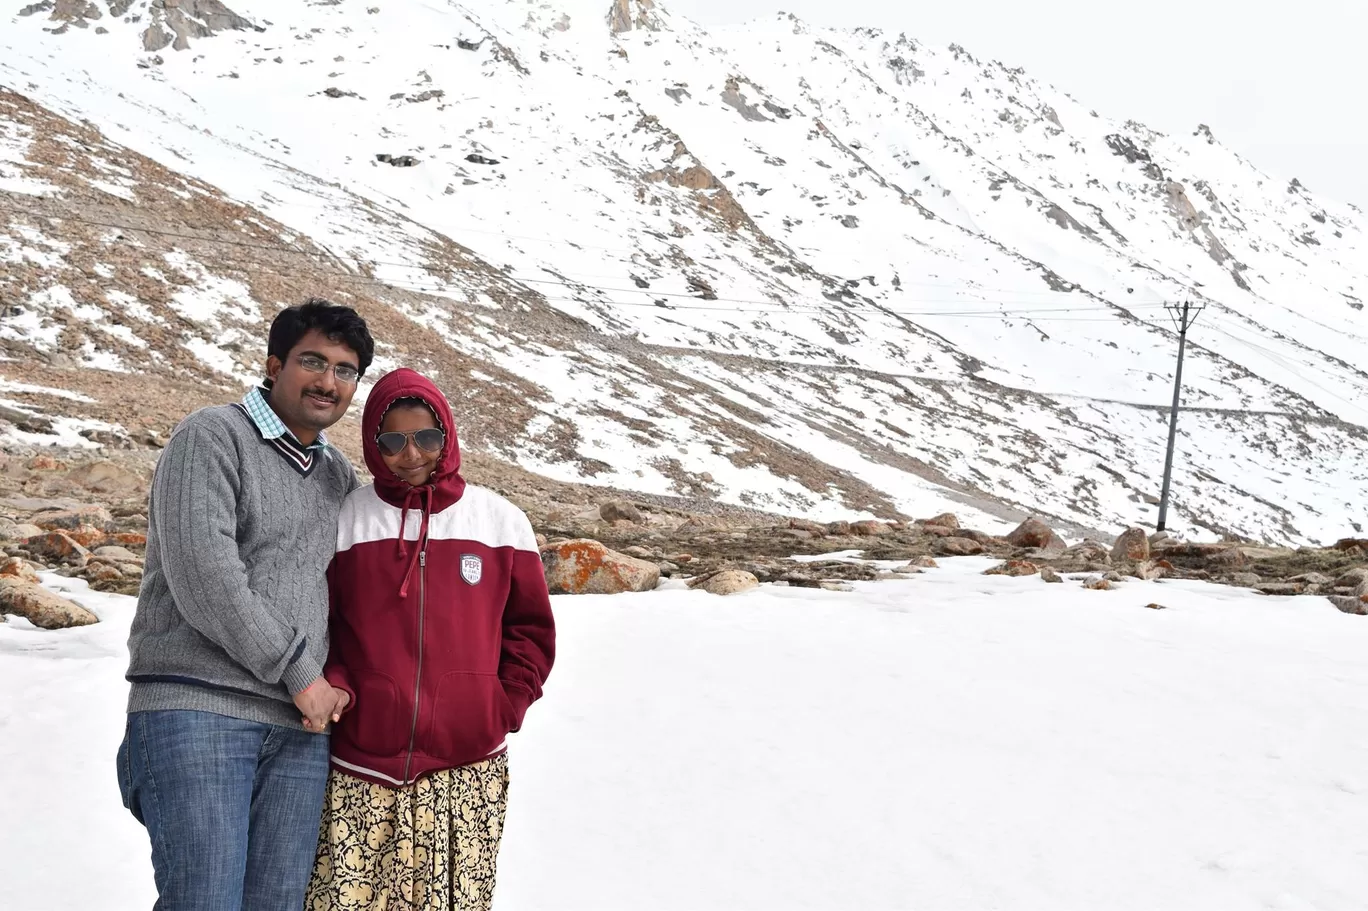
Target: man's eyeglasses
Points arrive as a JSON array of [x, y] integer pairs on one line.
[[345, 373], [393, 442]]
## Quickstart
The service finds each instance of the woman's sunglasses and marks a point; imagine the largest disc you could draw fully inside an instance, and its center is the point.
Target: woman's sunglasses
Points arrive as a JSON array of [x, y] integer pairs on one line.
[[393, 442]]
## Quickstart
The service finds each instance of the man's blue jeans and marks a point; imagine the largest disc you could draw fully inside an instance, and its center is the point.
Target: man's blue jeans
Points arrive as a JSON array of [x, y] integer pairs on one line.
[[232, 808]]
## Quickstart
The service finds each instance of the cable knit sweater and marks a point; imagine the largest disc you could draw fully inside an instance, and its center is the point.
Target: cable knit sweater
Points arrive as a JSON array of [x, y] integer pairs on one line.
[[232, 616]]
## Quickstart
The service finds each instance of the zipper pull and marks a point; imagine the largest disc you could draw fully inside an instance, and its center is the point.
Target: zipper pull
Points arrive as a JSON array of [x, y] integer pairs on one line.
[[422, 558]]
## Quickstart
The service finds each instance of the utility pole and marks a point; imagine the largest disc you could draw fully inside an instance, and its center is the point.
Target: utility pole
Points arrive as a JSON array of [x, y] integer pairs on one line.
[[1183, 318]]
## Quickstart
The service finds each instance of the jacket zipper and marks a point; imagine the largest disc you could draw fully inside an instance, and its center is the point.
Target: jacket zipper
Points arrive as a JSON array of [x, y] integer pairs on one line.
[[418, 678]]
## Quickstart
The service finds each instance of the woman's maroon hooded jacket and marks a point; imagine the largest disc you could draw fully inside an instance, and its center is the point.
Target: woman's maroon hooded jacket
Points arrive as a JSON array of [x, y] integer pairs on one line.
[[443, 635]]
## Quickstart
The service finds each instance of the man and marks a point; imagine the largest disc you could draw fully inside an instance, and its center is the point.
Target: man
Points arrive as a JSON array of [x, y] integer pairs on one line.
[[223, 759]]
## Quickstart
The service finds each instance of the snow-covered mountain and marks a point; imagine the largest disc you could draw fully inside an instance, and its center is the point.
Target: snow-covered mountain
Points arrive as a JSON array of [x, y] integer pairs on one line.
[[822, 271]]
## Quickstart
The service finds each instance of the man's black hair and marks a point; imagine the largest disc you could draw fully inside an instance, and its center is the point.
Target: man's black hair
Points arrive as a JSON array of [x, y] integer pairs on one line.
[[340, 324]]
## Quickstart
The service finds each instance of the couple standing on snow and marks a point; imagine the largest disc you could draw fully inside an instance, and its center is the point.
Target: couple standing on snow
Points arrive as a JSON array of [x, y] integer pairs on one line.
[[262, 546]]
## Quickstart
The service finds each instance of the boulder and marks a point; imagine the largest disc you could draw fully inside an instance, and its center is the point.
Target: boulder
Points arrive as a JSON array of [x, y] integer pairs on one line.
[[1049, 575], [1247, 580], [620, 511], [41, 607], [107, 477], [762, 571], [585, 567], [1202, 556], [727, 582], [1281, 588], [1228, 557], [115, 554], [939, 531], [1132, 546], [1031, 533], [57, 547], [636, 550], [1013, 568], [87, 536], [944, 520], [19, 532], [1054, 547], [1350, 604], [1352, 578], [923, 562], [103, 572], [18, 569], [870, 528], [1148, 570], [25, 421], [1088, 552], [957, 547], [94, 517]]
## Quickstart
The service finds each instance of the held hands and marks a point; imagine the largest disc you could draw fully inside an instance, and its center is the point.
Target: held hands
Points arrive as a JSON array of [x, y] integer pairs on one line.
[[320, 703]]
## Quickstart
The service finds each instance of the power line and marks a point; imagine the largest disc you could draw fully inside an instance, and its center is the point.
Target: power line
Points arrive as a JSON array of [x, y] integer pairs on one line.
[[452, 226], [276, 248], [427, 288], [1295, 368]]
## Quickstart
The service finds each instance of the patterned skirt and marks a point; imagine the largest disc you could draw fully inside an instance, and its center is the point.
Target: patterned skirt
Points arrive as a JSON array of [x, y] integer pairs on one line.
[[428, 847]]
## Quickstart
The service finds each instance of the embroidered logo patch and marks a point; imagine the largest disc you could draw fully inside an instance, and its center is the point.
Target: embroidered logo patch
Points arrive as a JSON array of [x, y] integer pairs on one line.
[[472, 568]]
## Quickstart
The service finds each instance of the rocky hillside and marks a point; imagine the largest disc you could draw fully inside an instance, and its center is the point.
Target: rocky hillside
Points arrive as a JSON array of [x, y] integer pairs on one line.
[[837, 274], [83, 517]]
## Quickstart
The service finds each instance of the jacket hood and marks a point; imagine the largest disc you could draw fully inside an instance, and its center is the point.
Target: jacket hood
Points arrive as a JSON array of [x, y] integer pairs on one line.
[[446, 485]]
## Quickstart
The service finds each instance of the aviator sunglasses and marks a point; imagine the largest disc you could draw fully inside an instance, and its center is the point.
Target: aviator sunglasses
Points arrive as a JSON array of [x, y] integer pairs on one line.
[[393, 442]]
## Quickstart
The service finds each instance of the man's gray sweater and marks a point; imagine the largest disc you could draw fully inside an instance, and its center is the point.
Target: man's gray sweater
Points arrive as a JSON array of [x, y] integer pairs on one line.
[[233, 612]]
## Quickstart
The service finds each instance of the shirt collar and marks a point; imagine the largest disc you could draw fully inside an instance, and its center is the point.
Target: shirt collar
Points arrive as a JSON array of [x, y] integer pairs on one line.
[[269, 424]]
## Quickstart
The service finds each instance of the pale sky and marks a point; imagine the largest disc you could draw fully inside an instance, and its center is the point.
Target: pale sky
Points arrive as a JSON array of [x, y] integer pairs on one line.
[[1283, 84]]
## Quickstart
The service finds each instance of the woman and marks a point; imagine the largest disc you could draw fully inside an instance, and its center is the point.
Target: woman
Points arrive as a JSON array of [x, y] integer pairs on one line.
[[441, 637]]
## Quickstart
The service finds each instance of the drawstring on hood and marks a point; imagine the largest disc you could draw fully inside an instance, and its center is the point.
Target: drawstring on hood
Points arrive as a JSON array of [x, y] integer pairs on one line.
[[445, 486], [423, 493]]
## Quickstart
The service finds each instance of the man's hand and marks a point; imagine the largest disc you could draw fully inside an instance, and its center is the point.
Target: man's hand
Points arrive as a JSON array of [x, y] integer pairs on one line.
[[320, 703], [343, 700]]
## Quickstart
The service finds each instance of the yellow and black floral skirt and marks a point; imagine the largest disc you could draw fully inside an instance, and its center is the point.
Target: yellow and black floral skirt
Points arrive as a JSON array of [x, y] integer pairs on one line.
[[432, 846]]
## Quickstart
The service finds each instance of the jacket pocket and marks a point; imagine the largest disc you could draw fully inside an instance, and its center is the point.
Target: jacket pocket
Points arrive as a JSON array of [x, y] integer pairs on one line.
[[378, 724], [470, 716]]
